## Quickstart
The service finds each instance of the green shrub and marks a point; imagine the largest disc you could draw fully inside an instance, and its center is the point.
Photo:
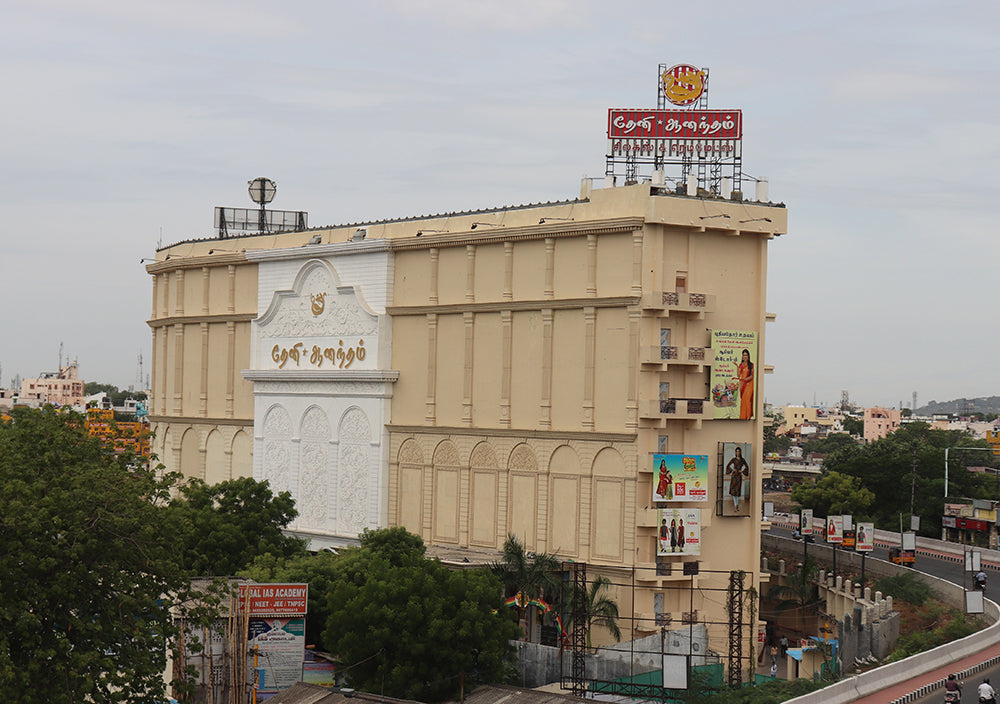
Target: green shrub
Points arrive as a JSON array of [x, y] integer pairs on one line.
[[907, 587]]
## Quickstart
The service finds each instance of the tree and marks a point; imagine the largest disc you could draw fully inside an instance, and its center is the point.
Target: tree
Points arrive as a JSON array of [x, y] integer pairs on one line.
[[834, 494], [912, 458], [854, 426], [89, 570], [598, 608], [221, 528], [526, 574], [831, 443], [798, 593], [535, 576], [406, 626], [774, 443]]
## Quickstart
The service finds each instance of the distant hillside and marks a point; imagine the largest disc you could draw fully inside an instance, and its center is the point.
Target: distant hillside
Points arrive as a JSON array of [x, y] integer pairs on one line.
[[985, 404]]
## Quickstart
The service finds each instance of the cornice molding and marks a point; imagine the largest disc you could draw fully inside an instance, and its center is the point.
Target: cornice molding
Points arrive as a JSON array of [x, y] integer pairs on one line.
[[196, 319], [499, 306], [512, 433], [174, 262], [352, 375], [496, 235], [197, 420]]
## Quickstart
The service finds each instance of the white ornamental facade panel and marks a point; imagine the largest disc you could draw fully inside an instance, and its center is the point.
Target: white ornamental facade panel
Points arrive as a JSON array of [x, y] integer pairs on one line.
[[321, 397]]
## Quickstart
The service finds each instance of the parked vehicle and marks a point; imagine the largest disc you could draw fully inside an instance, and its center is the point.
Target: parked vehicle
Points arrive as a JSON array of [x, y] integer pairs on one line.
[[902, 557]]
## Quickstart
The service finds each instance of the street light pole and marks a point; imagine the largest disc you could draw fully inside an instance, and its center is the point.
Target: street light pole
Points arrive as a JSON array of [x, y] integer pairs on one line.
[[981, 449]]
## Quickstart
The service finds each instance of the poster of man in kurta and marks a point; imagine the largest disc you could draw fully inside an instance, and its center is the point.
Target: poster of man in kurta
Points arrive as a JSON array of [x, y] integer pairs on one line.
[[734, 374], [679, 477], [736, 478], [679, 532]]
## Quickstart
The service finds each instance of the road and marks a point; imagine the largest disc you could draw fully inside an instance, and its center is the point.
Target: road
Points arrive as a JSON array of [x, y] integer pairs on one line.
[[953, 571]]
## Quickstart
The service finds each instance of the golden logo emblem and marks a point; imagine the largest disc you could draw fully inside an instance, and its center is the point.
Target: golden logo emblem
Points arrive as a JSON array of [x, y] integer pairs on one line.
[[682, 84], [318, 302]]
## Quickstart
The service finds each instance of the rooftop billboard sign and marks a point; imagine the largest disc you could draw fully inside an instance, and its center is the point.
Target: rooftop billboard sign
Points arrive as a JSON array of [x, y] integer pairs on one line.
[[678, 137]]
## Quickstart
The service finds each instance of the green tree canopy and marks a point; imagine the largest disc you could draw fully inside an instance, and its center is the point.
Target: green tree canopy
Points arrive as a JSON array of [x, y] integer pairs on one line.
[[831, 443], [835, 494], [89, 569], [913, 457], [854, 426], [408, 627], [116, 397], [221, 528]]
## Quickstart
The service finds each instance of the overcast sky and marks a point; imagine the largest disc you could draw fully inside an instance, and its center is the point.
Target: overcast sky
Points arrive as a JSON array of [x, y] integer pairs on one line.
[[124, 124]]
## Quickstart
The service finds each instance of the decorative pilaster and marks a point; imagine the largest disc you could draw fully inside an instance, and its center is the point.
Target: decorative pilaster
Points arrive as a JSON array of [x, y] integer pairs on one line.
[[435, 255], [507, 354], [589, 352], [205, 289], [545, 421], [632, 410], [231, 300], [429, 406], [592, 266], [178, 369], [230, 367], [470, 273], [179, 293], [550, 268], [637, 263], [470, 332], [508, 271], [203, 390]]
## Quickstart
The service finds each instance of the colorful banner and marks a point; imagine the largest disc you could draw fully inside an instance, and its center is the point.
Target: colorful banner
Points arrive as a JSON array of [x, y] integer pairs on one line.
[[835, 529], [734, 374], [865, 537], [679, 531], [680, 478], [274, 599], [675, 124], [736, 477], [806, 522], [277, 646]]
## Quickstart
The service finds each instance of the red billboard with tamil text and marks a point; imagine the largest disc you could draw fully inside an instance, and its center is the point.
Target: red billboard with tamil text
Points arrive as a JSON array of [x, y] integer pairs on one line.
[[274, 599]]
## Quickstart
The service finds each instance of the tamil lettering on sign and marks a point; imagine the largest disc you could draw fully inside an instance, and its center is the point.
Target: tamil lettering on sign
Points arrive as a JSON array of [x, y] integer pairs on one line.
[[734, 374], [675, 133]]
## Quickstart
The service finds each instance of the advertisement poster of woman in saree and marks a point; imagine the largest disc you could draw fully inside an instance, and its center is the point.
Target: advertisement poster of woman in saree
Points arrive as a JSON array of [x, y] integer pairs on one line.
[[736, 478], [680, 477], [734, 374], [680, 531]]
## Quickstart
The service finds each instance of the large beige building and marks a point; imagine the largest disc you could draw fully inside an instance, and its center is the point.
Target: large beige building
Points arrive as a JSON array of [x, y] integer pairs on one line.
[[510, 371]]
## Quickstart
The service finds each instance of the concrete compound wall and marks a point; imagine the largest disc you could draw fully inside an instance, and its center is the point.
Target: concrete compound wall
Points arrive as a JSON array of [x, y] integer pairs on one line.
[[539, 665]]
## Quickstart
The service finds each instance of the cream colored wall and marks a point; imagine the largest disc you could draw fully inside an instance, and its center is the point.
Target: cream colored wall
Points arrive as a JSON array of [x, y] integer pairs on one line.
[[200, 322], [520, 388]]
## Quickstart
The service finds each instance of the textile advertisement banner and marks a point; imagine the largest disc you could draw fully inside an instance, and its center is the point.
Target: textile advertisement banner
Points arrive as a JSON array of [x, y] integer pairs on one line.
[[679, 531], [679, 477], [734, 374], [736, 478]]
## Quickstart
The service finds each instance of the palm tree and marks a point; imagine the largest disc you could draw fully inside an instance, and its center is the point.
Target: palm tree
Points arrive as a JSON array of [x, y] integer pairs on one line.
[[599, 609], [526, 574], [798, 594]]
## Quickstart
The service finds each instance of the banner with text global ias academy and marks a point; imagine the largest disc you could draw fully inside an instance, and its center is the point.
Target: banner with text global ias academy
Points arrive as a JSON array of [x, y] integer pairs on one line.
[[734, 374]]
